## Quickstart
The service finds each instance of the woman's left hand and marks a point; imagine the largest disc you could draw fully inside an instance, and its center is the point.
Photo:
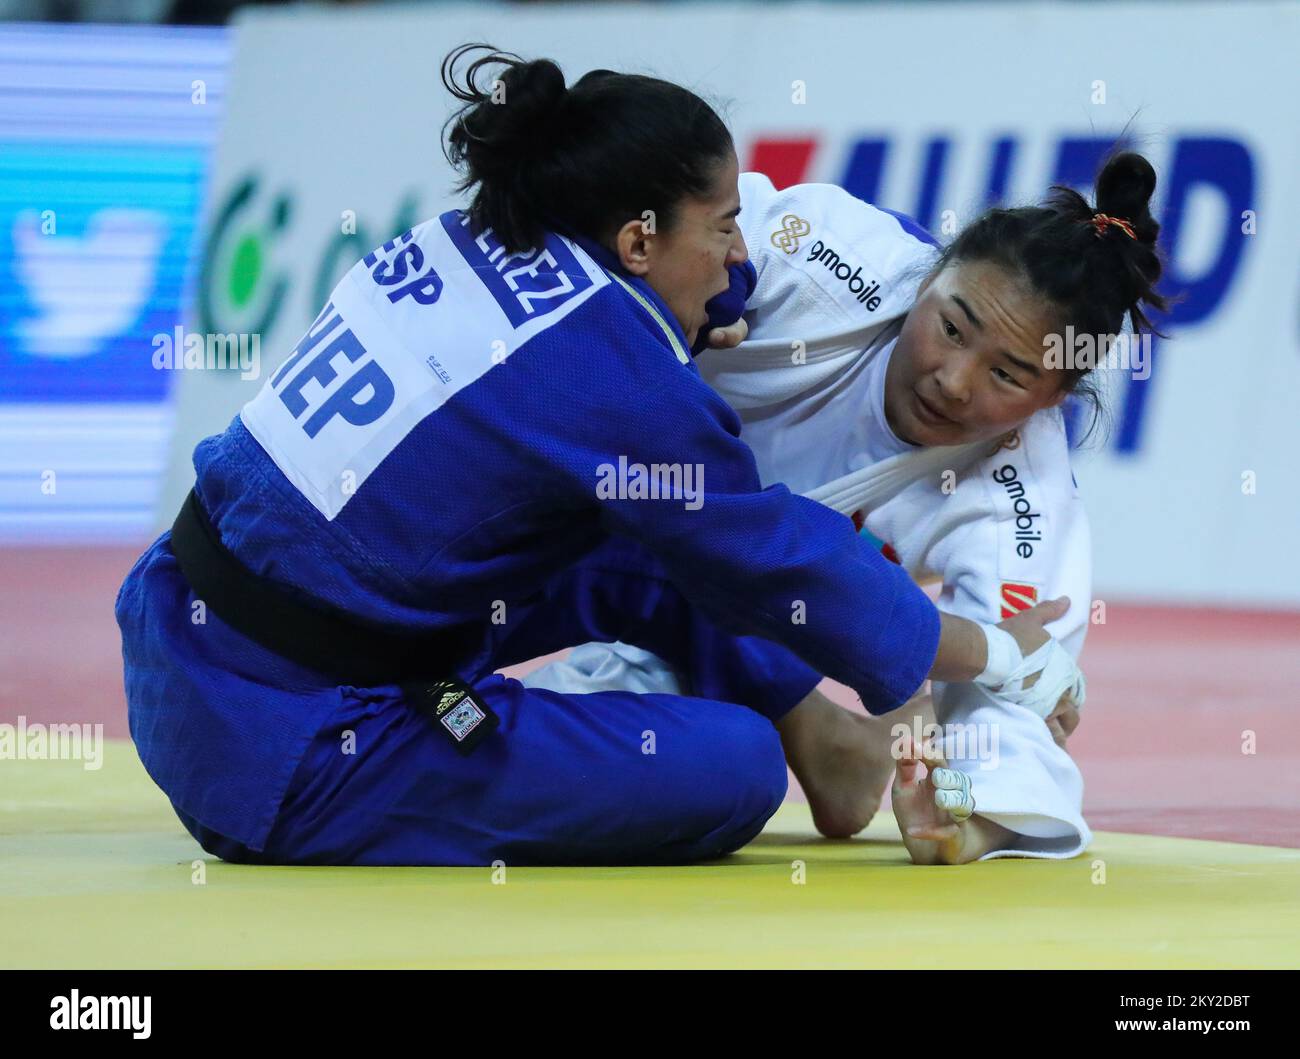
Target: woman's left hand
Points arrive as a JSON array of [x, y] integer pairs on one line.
[[931, 832], [1062, 721]]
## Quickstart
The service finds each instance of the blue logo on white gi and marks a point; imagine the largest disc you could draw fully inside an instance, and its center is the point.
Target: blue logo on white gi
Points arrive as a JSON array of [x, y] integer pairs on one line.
[[404, 268], [365, 393], [526, 286]]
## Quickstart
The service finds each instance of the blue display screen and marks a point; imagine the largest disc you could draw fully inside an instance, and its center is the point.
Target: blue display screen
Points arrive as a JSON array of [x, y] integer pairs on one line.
[[106, 136]]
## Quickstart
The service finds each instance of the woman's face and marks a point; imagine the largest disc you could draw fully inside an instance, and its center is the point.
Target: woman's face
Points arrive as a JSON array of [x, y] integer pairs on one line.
[[968, 365], [688, 265]]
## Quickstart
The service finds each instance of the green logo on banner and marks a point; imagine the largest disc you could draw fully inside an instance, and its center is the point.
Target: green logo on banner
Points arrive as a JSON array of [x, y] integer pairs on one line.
[[237, 293], [240, 289]]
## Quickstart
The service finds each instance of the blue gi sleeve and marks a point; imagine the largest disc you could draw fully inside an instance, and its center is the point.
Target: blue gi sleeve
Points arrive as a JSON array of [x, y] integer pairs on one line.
[[668, 469]]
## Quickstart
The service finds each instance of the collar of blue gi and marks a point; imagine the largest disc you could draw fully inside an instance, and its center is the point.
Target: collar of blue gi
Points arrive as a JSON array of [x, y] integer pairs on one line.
[[642, 292]]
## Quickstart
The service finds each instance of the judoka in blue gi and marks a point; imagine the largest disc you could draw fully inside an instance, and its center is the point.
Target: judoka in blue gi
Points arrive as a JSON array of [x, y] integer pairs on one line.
[[491, 444]]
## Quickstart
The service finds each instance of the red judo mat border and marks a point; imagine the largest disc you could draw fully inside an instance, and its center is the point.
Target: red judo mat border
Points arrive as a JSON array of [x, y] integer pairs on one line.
[[1192, 727]]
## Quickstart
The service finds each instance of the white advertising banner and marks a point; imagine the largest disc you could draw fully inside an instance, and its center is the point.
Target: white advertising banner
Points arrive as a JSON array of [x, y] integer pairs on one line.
[[331, 146]]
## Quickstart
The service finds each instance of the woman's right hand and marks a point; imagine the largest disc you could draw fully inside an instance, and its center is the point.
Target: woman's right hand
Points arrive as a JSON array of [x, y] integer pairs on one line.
[[1027, 626], [963, 647]]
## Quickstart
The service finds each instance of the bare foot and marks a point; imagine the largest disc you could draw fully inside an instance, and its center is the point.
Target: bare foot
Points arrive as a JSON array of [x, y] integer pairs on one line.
[[841, 759]]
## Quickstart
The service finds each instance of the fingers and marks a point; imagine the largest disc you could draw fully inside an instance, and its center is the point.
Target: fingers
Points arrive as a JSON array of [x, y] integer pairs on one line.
[[1068, 719], [1056, 608], [1049, 610], [1027, 626], [952, 793], [1062, 721], [912, 756], [932, 755], [908, 763], [729, 337], [927, 753]]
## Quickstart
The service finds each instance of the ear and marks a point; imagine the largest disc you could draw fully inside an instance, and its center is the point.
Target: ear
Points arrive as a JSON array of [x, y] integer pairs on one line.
[[633, 245]]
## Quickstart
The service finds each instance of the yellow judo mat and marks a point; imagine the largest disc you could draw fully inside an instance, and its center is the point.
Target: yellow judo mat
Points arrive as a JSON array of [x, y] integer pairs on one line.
[[96, 872]]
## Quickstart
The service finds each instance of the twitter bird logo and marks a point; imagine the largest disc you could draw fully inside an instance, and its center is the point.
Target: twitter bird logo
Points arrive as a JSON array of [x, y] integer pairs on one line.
[[87, 289]]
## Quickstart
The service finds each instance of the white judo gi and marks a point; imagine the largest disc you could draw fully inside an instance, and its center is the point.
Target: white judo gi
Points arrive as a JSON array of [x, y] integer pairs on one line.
[[1002, 526]]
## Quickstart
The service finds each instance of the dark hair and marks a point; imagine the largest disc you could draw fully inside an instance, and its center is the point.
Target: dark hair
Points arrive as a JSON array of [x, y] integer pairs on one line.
[[1092, 278], [582, 160]]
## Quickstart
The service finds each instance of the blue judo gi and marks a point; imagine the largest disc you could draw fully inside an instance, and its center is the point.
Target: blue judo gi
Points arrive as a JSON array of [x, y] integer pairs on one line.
[[520, 445]]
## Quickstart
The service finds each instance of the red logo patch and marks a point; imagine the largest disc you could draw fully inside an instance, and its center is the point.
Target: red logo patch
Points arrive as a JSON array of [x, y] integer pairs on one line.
[[1016, 598]]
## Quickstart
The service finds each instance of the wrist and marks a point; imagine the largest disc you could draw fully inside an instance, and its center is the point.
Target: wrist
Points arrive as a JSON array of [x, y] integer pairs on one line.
[[1003, 656], [963, 650]]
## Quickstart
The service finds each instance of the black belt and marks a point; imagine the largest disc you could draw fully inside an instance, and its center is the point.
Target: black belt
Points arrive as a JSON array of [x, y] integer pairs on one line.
[[306, 631]]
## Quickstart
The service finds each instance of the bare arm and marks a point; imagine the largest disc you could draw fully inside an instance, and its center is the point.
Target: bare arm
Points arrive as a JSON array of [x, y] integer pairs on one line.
[[963, 649]]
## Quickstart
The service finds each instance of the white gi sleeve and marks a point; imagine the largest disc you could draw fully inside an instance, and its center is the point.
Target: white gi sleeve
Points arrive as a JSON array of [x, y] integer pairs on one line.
[[827, 261], [1012, 534]]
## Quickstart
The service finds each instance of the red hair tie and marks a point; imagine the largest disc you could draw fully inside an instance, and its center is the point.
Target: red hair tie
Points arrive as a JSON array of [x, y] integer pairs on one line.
[[1101, 220]]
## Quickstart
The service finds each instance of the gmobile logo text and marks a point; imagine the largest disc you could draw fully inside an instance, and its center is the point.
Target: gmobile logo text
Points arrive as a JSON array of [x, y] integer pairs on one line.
[[864, 291]]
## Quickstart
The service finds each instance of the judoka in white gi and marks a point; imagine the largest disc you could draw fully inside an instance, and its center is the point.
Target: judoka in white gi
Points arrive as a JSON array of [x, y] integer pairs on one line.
[[916, 446]]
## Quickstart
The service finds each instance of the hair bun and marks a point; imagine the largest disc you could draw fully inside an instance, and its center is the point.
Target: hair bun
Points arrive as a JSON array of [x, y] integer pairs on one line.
[[507, 118], [581, 160], [533, 90], [1124, 188], [515, 114]]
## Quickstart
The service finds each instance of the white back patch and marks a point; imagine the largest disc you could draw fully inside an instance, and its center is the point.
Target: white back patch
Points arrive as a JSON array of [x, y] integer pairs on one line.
[[410, 325]]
